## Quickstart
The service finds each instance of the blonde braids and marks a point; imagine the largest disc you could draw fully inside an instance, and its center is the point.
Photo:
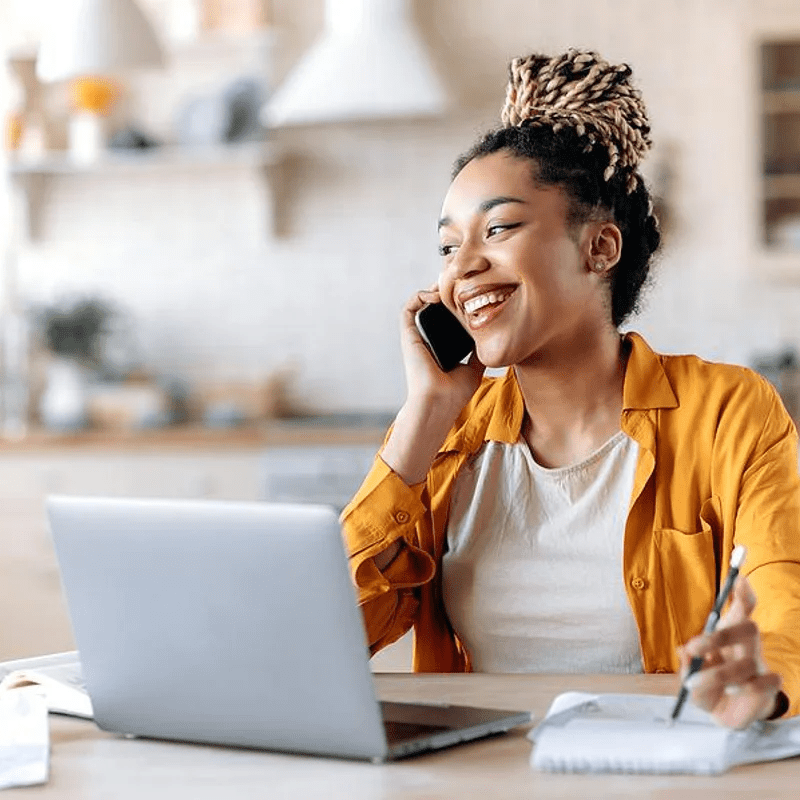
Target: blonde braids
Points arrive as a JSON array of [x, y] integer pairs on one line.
[[581, 90]]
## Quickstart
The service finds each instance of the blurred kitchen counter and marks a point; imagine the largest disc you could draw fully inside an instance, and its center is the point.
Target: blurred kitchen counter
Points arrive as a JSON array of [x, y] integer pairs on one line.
[[334, 429], [313, 459]]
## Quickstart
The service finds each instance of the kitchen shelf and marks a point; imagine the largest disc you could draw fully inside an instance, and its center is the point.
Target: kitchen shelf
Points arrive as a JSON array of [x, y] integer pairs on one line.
[[32, 175], [782, 186], [278, 432], [779, 212], [781, 101]]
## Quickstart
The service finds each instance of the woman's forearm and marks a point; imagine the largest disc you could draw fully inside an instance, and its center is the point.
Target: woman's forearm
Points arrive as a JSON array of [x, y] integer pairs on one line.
[[416, 437]]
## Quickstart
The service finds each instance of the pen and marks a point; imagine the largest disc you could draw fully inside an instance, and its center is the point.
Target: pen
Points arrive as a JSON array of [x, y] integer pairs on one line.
[[737, 559]]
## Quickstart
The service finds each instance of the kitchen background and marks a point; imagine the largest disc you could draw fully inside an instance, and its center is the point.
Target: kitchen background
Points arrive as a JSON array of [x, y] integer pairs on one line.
[[259, 274], [241, 271]]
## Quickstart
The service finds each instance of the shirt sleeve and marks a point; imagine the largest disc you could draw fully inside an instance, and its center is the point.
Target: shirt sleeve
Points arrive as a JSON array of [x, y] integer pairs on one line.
[[768, 524], [386, 510]]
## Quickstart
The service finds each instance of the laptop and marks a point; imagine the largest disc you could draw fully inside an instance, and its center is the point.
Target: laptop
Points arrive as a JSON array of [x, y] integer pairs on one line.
[[234, 624]]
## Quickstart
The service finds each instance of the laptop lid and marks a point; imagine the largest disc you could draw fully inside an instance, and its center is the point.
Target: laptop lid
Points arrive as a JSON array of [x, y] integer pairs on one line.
[[230, 623]]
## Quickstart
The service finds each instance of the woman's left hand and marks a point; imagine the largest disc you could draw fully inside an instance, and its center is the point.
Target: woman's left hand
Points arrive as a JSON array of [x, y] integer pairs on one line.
[[733, 684]]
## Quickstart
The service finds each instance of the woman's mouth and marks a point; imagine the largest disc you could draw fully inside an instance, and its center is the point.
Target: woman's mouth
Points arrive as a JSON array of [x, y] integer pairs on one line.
[[485, 307]]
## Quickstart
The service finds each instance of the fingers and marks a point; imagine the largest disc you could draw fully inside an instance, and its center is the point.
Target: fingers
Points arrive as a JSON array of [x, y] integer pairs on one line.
[[715, 680], [768, 683], [733, 683], [422, 298], [417, 301], [736, 693], [743, 601], [737, 636], [741, 633]]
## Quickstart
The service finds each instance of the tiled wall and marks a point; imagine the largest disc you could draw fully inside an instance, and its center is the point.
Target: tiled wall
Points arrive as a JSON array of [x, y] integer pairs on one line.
[[212, 293]]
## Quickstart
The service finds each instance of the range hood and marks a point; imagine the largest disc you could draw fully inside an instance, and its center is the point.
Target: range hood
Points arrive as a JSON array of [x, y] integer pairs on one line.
[[369, 64]]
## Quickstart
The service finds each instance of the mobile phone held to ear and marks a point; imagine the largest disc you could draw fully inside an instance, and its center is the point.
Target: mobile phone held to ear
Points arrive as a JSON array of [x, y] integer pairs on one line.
[[446, 338]]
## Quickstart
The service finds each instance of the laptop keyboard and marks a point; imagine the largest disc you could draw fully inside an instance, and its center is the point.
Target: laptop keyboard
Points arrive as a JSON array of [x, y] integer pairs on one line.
[[404, 731]]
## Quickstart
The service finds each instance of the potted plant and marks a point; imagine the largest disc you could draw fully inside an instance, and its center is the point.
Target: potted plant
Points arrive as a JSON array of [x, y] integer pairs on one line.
[[72, 334]]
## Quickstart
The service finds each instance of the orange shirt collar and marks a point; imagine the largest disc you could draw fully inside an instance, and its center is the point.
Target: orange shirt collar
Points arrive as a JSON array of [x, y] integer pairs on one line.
[[646, 386]]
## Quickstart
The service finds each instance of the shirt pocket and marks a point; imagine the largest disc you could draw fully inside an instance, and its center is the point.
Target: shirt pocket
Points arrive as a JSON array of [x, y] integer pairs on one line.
[[689, 570]]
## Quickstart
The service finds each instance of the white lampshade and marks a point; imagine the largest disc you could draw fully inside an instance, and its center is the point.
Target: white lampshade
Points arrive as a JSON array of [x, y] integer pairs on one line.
[[97, 37], [369, 63]]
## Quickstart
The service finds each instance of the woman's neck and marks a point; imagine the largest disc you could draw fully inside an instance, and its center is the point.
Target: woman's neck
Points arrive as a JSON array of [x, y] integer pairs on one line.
[[573, 397]]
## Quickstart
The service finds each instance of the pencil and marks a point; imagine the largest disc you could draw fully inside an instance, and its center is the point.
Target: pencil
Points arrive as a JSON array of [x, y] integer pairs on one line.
[[737, 559]]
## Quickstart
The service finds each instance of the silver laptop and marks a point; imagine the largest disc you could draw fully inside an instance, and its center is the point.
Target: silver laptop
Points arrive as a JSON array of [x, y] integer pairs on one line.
[[233, 624]]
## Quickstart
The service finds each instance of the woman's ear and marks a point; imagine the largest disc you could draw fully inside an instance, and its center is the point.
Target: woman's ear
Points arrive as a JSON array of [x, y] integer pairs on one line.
[[605, 246]]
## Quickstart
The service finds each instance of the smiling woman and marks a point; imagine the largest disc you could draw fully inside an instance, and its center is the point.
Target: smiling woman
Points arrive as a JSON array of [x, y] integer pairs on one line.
[[577, 513], [495, 214]]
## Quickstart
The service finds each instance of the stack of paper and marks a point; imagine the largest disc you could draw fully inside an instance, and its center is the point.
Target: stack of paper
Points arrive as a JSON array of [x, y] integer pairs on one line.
[[24, 738], [634, 733], [58, 675]]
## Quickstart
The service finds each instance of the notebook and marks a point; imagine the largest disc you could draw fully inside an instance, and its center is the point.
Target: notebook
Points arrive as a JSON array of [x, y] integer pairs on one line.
[[233, 624], [631, 733]]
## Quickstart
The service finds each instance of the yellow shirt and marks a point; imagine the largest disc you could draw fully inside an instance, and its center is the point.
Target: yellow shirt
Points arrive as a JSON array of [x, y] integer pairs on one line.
[[717, 467]]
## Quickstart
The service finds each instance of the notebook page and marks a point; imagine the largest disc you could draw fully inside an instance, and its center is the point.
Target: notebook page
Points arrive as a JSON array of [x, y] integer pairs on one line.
[[59, 675], [635, 746], [779, 739], [617, 706], [629, 733]]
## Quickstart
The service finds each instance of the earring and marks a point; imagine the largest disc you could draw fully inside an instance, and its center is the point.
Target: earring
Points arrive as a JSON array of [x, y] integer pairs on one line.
[[598, 266]]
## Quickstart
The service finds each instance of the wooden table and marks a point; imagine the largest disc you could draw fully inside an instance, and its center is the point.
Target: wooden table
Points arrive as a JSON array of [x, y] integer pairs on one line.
[[87, 763]]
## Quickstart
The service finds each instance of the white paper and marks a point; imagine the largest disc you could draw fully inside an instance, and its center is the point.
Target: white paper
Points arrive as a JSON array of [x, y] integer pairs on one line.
[[52, 663], [60, 677], [634, 733], [24, 738]]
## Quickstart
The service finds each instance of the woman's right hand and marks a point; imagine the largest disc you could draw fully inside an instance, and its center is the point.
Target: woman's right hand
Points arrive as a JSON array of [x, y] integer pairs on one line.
[[425, 380], [434, 398]]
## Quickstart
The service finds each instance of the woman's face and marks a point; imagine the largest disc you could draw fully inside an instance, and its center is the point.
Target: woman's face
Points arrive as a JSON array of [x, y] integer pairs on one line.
[[513, 271]]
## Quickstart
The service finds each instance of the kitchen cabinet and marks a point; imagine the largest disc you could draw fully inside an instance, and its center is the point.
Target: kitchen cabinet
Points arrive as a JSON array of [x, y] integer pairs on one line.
[[775, 108], [780, 100], [34, 618], [282, 462]]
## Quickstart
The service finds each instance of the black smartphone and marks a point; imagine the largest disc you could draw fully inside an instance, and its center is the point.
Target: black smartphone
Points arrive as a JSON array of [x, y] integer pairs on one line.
[[446, 337]]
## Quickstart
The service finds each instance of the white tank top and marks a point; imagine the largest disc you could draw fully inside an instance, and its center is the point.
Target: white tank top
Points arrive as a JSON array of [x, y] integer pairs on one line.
[[533, 572]]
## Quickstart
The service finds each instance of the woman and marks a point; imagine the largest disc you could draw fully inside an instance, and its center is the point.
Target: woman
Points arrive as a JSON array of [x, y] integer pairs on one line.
[[578, 513]]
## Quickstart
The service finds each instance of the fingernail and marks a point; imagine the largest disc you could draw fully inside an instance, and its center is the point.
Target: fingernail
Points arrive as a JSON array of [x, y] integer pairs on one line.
[[733, 688]]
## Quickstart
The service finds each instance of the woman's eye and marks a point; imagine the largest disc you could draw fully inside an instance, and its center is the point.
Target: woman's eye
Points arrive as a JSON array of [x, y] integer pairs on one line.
[[499, 228], [446, 249]]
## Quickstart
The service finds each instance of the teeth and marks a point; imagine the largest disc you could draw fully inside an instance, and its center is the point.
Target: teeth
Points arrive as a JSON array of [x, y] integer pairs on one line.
[[476, 303]]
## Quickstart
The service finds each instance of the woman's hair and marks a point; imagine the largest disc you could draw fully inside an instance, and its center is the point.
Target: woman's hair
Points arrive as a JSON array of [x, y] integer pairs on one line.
[[583, 124]]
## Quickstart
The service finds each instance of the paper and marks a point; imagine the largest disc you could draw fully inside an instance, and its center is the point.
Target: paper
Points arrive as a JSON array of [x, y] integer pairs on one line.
[[24, 738], [633, 733], [60, 677]]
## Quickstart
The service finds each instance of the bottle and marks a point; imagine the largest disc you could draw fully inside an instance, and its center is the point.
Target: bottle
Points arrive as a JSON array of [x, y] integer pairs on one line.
[[15, 374]]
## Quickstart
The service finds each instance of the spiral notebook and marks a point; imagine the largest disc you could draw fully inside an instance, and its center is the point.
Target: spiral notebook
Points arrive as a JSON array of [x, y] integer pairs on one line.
[[632, 733]]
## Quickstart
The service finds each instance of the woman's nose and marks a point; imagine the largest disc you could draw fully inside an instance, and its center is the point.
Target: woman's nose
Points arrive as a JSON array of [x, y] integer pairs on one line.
[[468, 260]]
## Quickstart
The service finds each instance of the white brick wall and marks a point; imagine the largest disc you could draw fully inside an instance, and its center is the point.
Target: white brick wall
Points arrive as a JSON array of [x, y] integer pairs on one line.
[[186, 252]]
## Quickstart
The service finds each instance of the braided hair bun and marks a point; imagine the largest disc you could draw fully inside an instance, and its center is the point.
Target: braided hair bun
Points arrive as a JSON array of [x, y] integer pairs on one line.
[[582, 91]]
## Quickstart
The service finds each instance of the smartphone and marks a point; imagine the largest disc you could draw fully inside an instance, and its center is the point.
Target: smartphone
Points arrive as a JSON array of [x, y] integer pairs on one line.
[[446, 338]]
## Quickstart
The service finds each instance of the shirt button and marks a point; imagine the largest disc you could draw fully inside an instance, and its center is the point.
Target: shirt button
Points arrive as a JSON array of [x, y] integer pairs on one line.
[[402, 517], [638, 583]]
